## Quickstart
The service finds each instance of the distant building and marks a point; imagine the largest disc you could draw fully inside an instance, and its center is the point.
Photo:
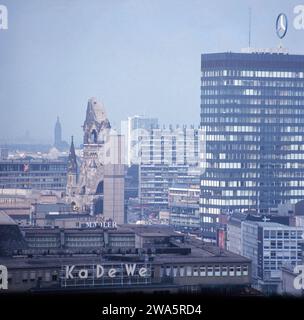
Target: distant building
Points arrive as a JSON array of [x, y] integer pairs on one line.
[[167, 155], [183, 203], [155, 181], [40, 174], [132, 129], [4, 153], [20, 203], [270, 246], [233, 226], [131, 182], [170, 146], [72, 171], [58, 142], [252, 113], [234, 232]]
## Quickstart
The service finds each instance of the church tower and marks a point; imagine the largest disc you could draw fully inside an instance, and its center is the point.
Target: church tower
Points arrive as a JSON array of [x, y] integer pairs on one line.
[[57, 134], [96, 128], [72, 170], [100, 186]]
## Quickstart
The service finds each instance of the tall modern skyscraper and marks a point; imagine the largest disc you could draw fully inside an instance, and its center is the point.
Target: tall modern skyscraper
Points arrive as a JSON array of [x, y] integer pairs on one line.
[[132, 129], [252, 112], [171, 146]]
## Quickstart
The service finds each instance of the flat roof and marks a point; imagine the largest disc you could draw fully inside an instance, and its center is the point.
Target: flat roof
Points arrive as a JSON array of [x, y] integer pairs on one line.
[[5, 219]]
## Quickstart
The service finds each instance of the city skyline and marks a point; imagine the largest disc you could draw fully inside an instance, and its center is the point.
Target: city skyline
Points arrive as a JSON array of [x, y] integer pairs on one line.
[[51, 69]]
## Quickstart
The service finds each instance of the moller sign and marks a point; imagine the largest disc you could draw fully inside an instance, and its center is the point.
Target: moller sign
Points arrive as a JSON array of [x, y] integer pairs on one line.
[[108, 224], [99, 222]]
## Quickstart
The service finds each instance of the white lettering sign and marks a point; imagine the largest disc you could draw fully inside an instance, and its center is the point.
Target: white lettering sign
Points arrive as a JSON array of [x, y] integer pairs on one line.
[[103, 225], [3, 17], [298, 21], [3, 278], [298, 282], [71, 272]]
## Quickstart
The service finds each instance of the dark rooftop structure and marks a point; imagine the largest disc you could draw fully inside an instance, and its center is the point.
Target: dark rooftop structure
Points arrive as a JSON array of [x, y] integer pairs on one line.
[[11, 239]]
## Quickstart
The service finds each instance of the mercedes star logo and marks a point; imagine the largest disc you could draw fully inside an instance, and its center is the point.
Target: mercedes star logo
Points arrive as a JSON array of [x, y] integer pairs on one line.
[[281, 25]]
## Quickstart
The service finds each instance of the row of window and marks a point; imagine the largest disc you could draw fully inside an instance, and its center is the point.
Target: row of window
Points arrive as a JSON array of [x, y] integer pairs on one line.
[[253, 73], [252, 83], [262, 101], [248, 120], [203, 271], [252, 92], [280, 234]]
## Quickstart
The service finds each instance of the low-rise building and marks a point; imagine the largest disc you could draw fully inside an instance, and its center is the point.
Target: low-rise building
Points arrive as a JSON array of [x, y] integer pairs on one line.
[[270, 246], [130, 258], [40, 174]]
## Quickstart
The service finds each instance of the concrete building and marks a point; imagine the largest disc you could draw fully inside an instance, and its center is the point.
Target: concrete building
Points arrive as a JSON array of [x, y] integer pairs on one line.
[[270, 246], [252, 113], [170, 146], [4, 152], [234, 232], [156, 179], [40, 174], [132, 129], [183, 202], [161, 260]]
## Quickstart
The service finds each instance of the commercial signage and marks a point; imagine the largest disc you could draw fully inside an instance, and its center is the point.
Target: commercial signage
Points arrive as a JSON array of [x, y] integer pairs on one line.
[[105, 274]]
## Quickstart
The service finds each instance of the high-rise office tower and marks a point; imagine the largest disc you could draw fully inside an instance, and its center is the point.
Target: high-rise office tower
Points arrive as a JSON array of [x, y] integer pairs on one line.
[[171, 146], [132, 129], [252, 111]]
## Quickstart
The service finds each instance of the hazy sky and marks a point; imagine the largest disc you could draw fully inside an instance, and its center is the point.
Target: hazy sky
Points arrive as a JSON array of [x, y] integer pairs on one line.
[[137, 56]]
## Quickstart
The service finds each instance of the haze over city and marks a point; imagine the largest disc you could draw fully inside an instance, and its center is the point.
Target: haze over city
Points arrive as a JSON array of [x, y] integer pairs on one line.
[[137, 56]]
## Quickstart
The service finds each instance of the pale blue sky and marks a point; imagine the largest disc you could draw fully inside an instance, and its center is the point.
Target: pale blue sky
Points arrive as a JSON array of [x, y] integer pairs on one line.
[[137, 56]]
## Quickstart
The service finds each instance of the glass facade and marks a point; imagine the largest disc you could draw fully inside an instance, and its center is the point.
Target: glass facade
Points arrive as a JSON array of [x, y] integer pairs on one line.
[[33, 174], [252, 112]]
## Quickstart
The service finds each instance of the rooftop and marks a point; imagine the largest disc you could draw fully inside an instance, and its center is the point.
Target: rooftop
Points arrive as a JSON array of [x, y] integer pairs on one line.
[[5, 219], [273, 225]]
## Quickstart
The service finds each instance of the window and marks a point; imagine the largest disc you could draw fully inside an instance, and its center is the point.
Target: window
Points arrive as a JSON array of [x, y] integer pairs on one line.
[[202, 271], [182, 271], [189, 271], [231, 271], [161, 271], [224, 271], [174, 271], [238, 271], [168, 271], [217, 271], [210, 271], [47, 276]]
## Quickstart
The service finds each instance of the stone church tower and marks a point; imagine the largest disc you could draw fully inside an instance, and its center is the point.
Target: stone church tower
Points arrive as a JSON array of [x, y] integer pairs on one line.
[[72, 172], [89, 191]]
